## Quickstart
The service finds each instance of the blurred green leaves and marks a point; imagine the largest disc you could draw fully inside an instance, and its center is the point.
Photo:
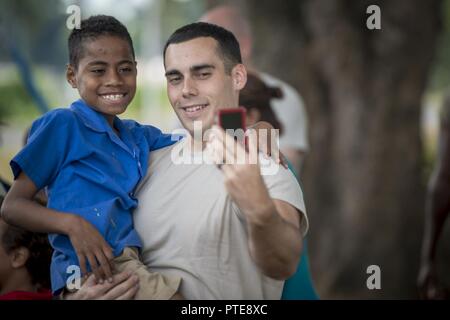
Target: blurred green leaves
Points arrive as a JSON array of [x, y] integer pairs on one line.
[[440, 76], [16, 103]]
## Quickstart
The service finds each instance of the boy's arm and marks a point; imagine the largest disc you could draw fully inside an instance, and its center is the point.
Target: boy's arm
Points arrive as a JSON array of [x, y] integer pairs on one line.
[[156, 139], [20, 209]]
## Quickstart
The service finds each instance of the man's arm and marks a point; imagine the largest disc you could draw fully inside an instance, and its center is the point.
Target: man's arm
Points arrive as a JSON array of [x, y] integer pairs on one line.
[[19, 209], [275, 240]]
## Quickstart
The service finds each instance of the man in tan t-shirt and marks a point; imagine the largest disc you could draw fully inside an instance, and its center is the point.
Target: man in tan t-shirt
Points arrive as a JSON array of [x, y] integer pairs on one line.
[[232, 231]]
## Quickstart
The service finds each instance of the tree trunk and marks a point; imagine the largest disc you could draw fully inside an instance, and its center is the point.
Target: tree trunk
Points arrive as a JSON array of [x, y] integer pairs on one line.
[[363, 179]]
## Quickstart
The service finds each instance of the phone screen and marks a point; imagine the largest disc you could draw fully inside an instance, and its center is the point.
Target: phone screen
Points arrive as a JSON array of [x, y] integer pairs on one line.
[[232, 119]]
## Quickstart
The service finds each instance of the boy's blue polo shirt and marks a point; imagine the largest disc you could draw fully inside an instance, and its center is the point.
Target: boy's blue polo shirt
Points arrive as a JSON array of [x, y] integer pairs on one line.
[[88, 170]]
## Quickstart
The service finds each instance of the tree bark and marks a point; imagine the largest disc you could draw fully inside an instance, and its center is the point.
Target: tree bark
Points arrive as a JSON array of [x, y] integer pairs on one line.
[[363, 179]]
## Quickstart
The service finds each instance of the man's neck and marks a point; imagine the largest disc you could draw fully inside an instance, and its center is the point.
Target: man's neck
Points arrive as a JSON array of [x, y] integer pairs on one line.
[[197, 145]]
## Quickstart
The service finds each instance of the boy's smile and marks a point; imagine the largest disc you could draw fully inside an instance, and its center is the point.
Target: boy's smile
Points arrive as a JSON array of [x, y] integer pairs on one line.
[[105, 76]]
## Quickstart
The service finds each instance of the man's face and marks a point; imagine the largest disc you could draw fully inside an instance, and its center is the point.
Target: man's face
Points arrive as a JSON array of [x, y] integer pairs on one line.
[[106, 75], [197, 84]]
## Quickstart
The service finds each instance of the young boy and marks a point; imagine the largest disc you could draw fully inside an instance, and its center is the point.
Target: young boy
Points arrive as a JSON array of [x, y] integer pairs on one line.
[[90, 161]]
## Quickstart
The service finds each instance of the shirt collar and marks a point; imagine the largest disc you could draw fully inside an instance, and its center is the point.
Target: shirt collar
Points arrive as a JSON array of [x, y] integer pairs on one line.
[[91, 118], [97, 122]]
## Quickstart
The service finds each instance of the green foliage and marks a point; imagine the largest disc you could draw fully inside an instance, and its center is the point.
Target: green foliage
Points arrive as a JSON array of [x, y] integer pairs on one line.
[[440, 76], [15, 103]]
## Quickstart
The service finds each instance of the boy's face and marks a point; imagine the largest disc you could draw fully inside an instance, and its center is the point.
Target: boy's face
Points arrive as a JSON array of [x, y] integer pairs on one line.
[[106, 75], [197, 83]]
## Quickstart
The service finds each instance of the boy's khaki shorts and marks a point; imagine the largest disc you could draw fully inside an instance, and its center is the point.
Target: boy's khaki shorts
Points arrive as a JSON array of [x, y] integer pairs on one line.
[[152, 285]]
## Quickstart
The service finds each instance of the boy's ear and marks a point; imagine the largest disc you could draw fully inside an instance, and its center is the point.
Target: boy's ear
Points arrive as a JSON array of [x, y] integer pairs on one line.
[[19, 257], [70, 76], [239, 75]]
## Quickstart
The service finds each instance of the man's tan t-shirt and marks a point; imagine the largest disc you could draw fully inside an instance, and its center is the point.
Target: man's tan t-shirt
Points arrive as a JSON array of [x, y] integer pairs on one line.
[[190, 228]]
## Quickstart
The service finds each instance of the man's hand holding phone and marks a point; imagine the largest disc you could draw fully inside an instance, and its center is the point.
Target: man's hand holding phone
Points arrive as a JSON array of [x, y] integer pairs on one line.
[[235, 119]]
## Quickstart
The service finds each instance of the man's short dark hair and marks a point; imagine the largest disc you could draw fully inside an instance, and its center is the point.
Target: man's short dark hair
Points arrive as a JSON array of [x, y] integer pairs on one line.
[[92, 28], [227, 45]]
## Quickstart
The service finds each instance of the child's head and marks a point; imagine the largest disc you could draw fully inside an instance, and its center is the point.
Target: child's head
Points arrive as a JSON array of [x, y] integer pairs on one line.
[[256, 98], [23, 253], [102, 64]]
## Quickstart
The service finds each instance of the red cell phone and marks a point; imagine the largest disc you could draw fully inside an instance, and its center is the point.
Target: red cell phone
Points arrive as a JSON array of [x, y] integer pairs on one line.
[[233, 118]]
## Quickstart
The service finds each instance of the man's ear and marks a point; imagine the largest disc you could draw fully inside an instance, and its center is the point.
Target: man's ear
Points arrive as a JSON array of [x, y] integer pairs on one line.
[[19, 257], [239, 75], [70, 76]]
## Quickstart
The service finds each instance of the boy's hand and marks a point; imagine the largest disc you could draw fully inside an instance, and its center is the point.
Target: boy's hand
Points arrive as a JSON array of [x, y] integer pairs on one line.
[[90, 247]]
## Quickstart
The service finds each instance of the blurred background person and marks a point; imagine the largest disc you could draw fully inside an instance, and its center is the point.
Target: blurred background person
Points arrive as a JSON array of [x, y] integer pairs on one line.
[[288, 108], [256, 98], [436, 214]]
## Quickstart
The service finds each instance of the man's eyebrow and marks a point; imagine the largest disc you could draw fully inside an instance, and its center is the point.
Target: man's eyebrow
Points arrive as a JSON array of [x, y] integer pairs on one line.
[[172, 73], [201, 66], [126, 61], [195, 68]]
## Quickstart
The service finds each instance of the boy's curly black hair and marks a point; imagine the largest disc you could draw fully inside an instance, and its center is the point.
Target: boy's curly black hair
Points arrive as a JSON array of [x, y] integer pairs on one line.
[[92, 28], [38, 263]]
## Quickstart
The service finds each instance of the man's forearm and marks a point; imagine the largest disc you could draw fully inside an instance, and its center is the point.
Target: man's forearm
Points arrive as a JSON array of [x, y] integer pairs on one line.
[[275, 245]]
